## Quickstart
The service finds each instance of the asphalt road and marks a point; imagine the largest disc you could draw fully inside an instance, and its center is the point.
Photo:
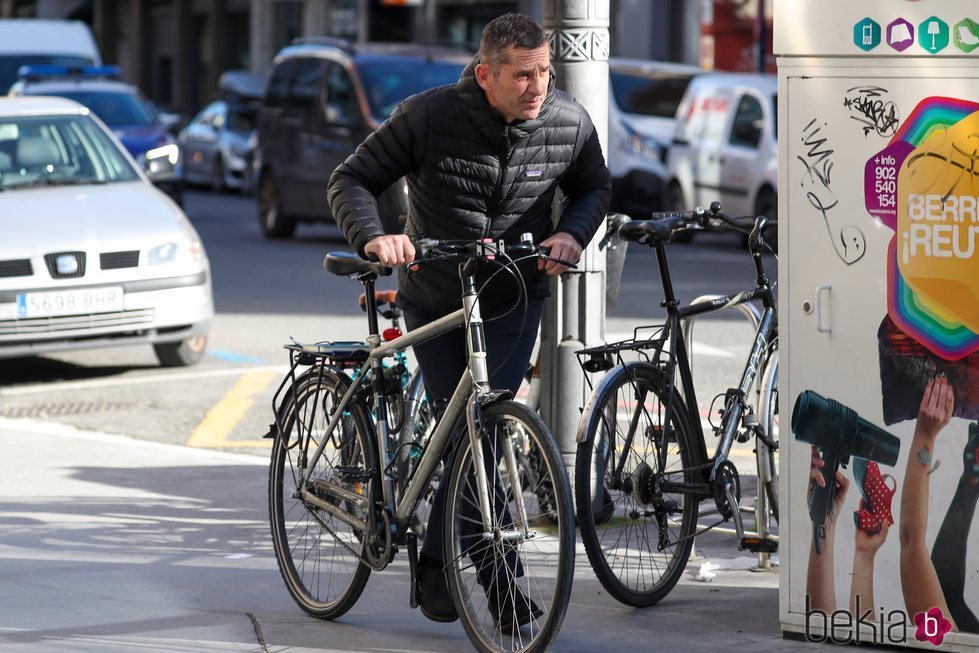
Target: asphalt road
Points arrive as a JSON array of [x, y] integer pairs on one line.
[[266, 293]]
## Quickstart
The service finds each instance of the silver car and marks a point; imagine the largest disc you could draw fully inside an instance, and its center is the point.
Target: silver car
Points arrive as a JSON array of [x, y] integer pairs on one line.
[[217, 146], [92, 254]]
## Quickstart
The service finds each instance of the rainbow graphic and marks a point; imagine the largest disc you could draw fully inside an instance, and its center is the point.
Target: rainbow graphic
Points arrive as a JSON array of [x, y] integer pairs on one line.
[[914, 313]]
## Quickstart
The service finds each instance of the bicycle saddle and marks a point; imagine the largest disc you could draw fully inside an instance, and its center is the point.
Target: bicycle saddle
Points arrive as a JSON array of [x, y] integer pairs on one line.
[[346, 264], [641, 231]]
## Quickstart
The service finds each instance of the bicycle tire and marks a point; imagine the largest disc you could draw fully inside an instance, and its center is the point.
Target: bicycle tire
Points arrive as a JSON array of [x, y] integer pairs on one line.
[[319, 556], [541, 566], [771, 427], [621, 530]]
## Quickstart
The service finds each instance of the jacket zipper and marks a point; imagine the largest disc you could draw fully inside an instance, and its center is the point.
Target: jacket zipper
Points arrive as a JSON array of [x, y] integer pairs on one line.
[[497, 192]]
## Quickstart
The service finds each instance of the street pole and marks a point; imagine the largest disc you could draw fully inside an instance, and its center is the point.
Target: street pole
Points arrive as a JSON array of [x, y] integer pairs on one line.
[[575, 316]]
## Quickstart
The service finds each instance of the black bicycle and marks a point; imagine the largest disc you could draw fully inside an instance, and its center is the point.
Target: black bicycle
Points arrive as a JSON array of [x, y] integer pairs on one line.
[[642, 466], [338, 512]]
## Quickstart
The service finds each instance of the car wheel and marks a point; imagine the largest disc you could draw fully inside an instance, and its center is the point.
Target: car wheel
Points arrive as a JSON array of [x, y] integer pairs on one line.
[[767, 205], [674, 202], [270, 218], [183, 353], [217, 175]]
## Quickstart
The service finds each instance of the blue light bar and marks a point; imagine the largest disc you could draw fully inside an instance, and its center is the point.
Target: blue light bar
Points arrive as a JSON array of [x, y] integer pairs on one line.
[[50, 71]]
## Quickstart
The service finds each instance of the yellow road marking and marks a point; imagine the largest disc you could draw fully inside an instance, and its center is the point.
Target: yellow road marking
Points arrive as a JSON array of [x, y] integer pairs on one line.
[[214, 429]]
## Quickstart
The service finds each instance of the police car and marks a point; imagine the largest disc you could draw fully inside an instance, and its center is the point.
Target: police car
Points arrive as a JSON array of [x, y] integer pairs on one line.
[[121, 106], [91, 254]]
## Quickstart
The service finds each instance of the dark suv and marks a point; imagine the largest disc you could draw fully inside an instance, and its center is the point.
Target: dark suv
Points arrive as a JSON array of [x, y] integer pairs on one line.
[[323, 98]]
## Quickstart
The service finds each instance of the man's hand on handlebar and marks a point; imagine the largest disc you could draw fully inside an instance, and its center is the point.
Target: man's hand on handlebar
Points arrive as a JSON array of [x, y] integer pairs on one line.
[[563, 247], [391, 250]]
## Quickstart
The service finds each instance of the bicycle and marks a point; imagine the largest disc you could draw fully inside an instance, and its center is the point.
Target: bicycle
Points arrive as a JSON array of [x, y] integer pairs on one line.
[[336, 511], [642, 466]]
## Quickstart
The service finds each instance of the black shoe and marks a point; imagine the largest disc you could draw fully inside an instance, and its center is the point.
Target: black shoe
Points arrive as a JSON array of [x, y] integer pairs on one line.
[[510, 608], [433, 591]]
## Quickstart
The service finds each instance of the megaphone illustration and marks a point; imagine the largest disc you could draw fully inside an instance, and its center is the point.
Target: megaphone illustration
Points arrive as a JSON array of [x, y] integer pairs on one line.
[[838, 432]]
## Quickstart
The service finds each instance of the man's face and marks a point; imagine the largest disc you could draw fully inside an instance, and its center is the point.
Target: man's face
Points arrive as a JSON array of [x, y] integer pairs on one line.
[[518, 88]]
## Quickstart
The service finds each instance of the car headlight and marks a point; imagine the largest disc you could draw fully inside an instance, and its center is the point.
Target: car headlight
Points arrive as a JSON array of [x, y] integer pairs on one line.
[[175, 252], [642, 145], [170, 151]]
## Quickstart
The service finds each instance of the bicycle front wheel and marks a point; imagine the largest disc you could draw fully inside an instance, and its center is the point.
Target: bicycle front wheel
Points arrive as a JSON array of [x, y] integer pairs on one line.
[[511, 584], [319, 538], [637, 534]]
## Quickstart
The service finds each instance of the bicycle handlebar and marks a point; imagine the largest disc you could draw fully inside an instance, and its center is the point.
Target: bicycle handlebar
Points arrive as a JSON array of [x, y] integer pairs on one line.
[[487, 249], [663, 224]]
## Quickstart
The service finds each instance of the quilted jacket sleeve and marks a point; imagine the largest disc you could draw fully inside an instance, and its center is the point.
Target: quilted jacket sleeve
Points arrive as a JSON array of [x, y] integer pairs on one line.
[[391, 152], [587, 186]]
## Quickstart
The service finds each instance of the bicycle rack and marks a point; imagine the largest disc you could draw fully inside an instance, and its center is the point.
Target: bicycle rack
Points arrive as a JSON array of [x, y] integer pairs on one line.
[[762, 523]]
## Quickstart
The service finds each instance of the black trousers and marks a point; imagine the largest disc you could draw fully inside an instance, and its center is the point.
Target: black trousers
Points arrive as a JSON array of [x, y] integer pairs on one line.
[[510, 343]]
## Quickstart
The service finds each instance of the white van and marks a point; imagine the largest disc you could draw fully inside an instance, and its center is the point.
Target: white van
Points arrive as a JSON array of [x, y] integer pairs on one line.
[[31, 42], [643, 100], [724, 146]]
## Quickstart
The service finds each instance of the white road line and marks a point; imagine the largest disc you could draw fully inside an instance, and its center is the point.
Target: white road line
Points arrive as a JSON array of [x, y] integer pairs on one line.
[[153, 378]]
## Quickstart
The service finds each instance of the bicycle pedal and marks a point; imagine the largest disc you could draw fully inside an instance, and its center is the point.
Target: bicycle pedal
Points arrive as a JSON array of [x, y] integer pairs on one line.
[[350, 474], [759, 544]]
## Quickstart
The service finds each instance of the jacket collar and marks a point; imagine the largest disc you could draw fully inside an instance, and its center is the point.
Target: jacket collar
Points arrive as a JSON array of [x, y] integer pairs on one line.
[[486, 117]]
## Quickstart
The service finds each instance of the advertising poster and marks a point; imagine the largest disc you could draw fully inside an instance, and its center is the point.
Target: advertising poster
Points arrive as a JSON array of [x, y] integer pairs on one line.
[[881, 189]]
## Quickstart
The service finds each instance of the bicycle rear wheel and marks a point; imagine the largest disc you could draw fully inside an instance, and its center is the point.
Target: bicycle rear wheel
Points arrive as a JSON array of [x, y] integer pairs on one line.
[[512, 587], [319, 553], [637, 536]]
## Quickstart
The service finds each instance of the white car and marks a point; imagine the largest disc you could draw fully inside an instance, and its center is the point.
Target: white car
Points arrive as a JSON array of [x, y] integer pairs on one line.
[[643, 98], [92, 254], [725, 146]]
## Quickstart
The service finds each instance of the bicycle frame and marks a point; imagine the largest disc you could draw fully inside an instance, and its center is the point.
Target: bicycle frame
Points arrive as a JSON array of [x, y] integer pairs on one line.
[[678, 358], [471, 393]]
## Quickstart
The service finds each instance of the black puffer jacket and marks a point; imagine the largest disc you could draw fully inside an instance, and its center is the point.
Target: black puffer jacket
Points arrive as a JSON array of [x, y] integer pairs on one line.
[[470, 175]]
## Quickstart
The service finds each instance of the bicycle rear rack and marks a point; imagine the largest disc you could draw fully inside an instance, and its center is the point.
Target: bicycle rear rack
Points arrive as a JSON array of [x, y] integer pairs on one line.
[[648, 343]]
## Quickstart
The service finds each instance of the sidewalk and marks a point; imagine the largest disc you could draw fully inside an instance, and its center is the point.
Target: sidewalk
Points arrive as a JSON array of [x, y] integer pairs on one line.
[[113, 544]]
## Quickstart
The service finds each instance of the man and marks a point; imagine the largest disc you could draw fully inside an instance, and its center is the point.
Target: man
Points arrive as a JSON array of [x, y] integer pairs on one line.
[[483, 158]]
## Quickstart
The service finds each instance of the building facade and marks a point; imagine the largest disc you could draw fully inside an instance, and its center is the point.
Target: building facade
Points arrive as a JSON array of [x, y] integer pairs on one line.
[[175, 50]]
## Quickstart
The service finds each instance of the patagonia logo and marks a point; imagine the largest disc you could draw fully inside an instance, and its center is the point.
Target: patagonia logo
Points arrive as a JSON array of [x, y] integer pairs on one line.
[[533, 173]]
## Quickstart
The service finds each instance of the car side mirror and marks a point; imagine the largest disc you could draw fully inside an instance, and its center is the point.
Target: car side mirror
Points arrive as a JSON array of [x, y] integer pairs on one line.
[[336, 118], [170, 121]]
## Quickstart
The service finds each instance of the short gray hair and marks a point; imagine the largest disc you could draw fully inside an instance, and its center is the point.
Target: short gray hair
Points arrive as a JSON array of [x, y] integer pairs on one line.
[[517, 30]]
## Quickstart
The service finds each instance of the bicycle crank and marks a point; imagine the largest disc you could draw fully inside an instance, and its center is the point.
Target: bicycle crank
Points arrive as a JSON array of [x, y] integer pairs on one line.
[[727, 492]]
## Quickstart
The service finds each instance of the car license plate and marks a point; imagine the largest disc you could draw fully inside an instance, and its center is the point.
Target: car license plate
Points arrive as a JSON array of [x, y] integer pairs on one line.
[[70, 302]]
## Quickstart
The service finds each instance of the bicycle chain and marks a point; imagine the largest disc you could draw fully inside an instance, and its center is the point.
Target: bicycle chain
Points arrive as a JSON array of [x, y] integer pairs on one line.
[[376, 566]]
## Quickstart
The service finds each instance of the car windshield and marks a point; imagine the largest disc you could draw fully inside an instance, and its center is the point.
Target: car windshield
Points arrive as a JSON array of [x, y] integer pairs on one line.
[[11, 63], [116, 109], [58, 151], [649, 94], [389, 82]]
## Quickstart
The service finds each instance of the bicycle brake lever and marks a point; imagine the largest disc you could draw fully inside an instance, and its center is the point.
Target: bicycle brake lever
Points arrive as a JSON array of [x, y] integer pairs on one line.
[[568, 264]]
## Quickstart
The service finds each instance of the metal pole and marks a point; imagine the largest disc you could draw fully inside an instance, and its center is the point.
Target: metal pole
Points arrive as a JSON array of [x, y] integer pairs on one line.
[[579, 35]]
